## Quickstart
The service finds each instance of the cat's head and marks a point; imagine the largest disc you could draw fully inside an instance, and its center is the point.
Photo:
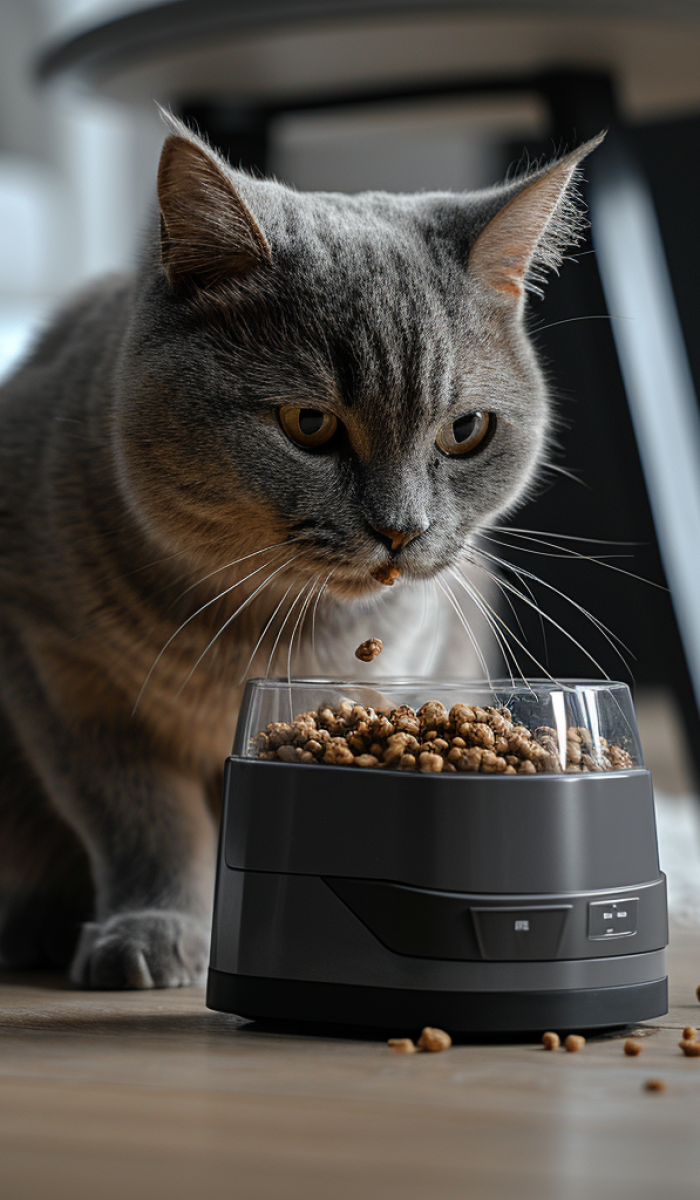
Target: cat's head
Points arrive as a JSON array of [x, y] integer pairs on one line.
[[351, 373]]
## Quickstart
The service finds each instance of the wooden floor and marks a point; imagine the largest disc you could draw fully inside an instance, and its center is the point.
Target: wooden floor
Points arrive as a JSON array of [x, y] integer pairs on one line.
[[146, 1094]]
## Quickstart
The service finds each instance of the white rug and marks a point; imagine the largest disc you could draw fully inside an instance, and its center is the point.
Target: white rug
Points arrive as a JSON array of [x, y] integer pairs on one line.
[[678, 824]]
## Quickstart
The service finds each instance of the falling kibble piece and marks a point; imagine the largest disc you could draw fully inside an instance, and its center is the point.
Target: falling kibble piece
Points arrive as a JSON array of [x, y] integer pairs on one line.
[[550, 1041], [434, 1039], [689, 1033], [697, 991], [690, 1048], [402, 1045], [574, 1043], [654, 1085], [369, 649], [632, 1048]]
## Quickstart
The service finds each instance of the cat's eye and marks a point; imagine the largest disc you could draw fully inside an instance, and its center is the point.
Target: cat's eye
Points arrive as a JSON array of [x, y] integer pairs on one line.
[[466, 433], [308, 426]]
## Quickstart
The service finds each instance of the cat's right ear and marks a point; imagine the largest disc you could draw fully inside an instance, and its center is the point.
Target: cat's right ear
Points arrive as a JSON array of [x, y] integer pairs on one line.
[[208, 234]]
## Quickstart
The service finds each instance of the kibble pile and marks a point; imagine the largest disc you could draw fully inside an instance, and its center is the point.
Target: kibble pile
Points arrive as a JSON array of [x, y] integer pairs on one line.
[[467, 738]]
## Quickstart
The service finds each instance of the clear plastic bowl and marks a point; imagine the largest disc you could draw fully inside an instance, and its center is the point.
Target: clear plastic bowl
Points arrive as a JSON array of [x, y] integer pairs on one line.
[[583, 725]]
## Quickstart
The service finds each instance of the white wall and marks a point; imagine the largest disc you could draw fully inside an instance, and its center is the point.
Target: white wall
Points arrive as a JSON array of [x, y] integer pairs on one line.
[[76, 176]]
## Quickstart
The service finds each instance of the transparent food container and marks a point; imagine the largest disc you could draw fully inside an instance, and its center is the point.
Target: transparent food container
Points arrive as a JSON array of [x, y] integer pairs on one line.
[[537, 727]]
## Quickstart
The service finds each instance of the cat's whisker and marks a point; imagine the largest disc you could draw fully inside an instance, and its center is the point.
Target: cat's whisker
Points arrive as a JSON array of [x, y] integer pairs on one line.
[[522, 574], [186, 622], [493, 621], [157, 562], [537, 608], [447, 591], [230, 565], [506, 597], [507, 630], [265, 583], [539, 540], [280, 631], [573, 320], [424, 607], [533, 534], [424, 617], [490, 617], [260, 640], [310, 591], [564, 552], [311, 597], [436, 605], [313, 614], [568, 474]]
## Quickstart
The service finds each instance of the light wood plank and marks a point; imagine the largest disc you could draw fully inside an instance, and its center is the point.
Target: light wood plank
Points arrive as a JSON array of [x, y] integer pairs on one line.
[[148, 1094]]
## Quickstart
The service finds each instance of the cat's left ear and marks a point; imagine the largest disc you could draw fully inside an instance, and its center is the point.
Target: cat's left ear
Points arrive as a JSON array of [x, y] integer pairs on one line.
[[208, 234], [531, 232]]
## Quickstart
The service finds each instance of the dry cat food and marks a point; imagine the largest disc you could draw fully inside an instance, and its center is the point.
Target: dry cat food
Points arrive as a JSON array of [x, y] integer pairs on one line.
[[430, 1039], [550, 1041], [655, 1085], [467, 738], [434, 1040], [632, 1048], [574, 1043], [402, 1045], [697, 991], [689, 1033], [690, 1047], [369, 650]]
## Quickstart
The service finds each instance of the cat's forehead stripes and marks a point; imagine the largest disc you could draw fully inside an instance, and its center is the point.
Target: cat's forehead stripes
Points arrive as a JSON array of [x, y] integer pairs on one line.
[[380, 320]]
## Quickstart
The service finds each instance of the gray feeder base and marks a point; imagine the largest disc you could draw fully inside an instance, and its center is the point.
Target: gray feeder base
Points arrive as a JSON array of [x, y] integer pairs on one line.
[[396, 1009]]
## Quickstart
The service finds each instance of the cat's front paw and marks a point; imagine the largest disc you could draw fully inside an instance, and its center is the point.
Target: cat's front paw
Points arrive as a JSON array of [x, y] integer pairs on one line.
[[147, 949]]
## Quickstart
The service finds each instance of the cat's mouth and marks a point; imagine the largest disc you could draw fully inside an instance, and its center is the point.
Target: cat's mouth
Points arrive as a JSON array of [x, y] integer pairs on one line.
[[349, 582], [352, 574]]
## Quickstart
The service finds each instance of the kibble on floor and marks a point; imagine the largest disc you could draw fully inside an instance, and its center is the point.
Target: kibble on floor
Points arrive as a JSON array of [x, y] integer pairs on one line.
[[690, 1047], [434, 1040], [402, 1045]]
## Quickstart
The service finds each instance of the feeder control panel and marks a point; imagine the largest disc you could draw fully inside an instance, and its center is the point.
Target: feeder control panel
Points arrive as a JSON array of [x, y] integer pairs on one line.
[[612, 918]]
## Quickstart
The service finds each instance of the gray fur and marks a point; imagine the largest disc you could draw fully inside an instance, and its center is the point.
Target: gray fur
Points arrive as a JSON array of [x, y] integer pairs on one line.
[[141, 453]]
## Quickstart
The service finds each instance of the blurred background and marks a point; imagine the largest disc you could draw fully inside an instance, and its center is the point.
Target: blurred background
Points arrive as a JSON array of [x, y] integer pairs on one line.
[[406, 96]]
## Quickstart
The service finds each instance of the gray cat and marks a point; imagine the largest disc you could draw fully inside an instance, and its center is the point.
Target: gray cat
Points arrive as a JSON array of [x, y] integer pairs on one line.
[[297, 399]]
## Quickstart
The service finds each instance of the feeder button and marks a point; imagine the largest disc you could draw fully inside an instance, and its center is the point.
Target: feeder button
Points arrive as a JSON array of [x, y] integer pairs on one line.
[[612, 918], [510, 934]]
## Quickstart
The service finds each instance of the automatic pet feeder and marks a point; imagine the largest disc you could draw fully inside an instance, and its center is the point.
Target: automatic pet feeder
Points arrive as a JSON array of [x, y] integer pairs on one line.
[[471, 902]]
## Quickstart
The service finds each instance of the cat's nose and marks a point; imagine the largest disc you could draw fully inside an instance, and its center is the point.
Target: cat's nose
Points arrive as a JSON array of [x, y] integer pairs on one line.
[[397, 538]]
